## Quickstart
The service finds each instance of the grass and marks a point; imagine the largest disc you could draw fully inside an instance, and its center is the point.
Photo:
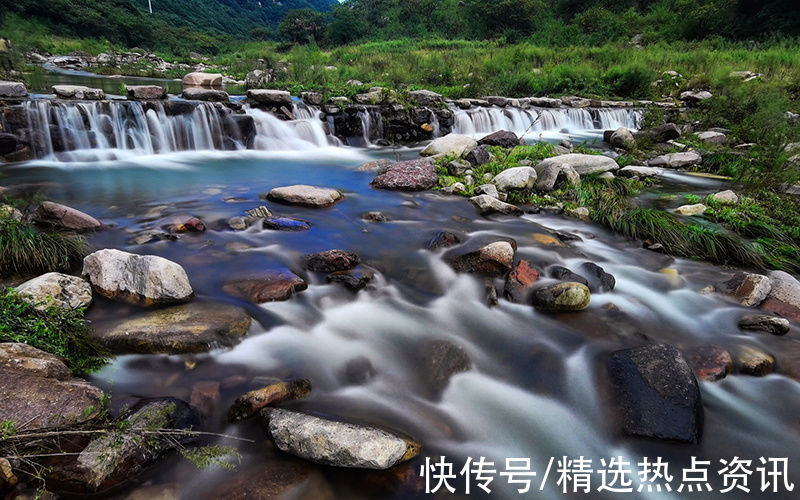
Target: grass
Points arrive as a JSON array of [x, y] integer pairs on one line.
[[62, 332], [25, 250]]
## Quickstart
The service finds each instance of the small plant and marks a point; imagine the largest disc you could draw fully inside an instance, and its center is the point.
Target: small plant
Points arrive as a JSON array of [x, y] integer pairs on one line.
[[8, 429], [205, 457], [26, 250], [692, 198]]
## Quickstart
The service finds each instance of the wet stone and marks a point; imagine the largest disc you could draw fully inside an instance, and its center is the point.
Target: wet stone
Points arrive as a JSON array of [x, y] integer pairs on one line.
[[354, 280], [493, 259], [331, 261], [357, 371], [443, 239], [248, 405], [562, 297], [285, 224], [748, 288], [440, 360], [269, 286], [561, 273], [762, 323], [710, 362], [599, 279], [754, 361], [519, 283]]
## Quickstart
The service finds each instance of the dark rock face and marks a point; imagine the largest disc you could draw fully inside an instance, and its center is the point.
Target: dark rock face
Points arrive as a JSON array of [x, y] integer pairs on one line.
[[414, 175], [8, 143], [599, 279], [443, 239], [658, 393], [479, 155], [357, 371], [331, 261], [285, 224], [248, 405], [493, 259], [519, 283], [710, 362], [354, 280], [267, 287], [502, 138], [661, 133], [440, 361], [561, 273]]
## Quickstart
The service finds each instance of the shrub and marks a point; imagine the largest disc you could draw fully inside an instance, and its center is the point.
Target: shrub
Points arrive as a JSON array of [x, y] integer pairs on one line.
[[629, 81], [26, 250]]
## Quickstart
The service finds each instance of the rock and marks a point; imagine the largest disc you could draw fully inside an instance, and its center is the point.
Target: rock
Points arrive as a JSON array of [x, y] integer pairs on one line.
[[493, 259], [7, 477], [547, 240], [457, 168], [450, 144], [639, 171], [599, 279], [184, 224], [478, 155], [502, 138], [689, 210], [138, 279], [553, 175], [658, 393], [489, 205], [202, 94], [443, 239], [352, 280], [581, 163], [56, 289], [269, 97], [189, 328], [259, 212], [248, 405], [581, 213], [62, 216], [379, 166], [354, 83], [146, 92], [439, 361], [278, 478], [308, 196], [545, 102], [331, 261], [199, 79], [78, 92], [784, 296], [748, 288], [562, 297], [374, 216], [694, 97], [111, 459], [764, 324], [754, 361], [37, 390], [425, 98], [150, 236], [562, 273], [266, 287], [520, 281], [676, 160], [13, 90], [205, 396], [8, 143], [711, 137], [357, 371], [496, 100], [337, 443], [311, 98], [517, 178], [413, 175], [285, 224], [488, 190], [710, 362], [661, 133], [622, 138], [726, 197]]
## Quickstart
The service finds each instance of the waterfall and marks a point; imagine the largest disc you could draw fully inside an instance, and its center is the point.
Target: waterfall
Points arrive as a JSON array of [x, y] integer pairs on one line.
[[543, 123]]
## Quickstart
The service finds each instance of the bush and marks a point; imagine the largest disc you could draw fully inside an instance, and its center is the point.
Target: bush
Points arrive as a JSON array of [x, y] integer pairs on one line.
[[62, 332], [629, 81], [26, 250]]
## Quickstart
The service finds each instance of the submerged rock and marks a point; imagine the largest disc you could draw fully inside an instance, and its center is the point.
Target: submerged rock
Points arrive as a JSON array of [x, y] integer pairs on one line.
[[285, 224], [599, 279], [189, 328], [764, 324], [443, 239], [337, 443], [414, 175], [248, 405], [582, 164], [450, 144], [353, 280], [562, 273], [377, 166], [562, 297], [64, 217], [184, 224], [520, 281], [138, 279], [754, 361], [710, 362], [56, 289], [658, 393], [748, 288], [784, 296], [331, 261], [309, 196], [493, 259], [267, 287], [440, 360]]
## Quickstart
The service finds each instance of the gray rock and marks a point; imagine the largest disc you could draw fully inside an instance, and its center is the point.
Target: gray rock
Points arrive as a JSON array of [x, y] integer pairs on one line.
[[581, 213], [689, 210], [639, 171], [661, 133], [146, 92], [622, 138], [13, 90], [488, 190], [676, 160], [489, 205], [753, 361], [425, 97], [198, 79], [501, 138], [658, 393], [202, 94], [562, 297], [311, 98], [764, 324], [270, 97], [727, 197], [269, 286], [331, 261], [711, 137], [440, 360], [457, 168], [139, 279], [354, 280], [581, 163], [78, 92], [413, 175], [250, 404], [309, 196], [553, 175], [784, 296], [748, 288], [257, 212], [694, 97], [62, 216], [516, 178], [337, 443], [454, 144], [479, 155], [56, 289]]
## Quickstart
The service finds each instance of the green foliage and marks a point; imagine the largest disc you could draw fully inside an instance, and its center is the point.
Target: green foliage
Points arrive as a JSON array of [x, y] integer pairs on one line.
[[205, 457], [302, 26], [62, 332], [691, 198], [26, 250]]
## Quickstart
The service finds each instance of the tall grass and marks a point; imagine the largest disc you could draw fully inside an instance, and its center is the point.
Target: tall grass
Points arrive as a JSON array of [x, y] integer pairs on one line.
[[25, 250]]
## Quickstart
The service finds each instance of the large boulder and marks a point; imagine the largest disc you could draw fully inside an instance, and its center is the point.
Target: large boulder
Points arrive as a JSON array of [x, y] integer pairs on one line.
[[64, 217], [581, 163], [187, 328], [658, 393], [493, 259], [307, 196], [56, 289], [249, 404], [199, 79], [749, 289], [138, 279], [515, 178], [784, 296], [146, 92], [479, 155], [502, 138], [661, 133], [78, 92], [425, 97], [562, 297], [37, 390], [13, 90], [622, 138], [269, 286], [676, 160], [337, 443], [311, 98], [553, 175], [270, 97], [413, 175], [203, 94], [450, 144], [490, 205]]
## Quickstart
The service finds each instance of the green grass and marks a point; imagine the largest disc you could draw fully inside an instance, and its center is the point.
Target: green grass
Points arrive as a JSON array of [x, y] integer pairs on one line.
[[61, 332], [26, 250]]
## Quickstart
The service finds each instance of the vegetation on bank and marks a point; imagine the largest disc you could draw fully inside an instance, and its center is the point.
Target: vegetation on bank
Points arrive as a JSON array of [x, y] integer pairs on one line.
[[26, 250]]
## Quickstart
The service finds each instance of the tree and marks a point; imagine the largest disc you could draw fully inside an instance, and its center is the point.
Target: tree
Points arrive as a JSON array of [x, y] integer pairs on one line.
[[301, 26]]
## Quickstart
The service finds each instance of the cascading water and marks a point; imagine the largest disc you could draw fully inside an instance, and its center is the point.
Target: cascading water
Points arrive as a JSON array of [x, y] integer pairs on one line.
[[543, 123]]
